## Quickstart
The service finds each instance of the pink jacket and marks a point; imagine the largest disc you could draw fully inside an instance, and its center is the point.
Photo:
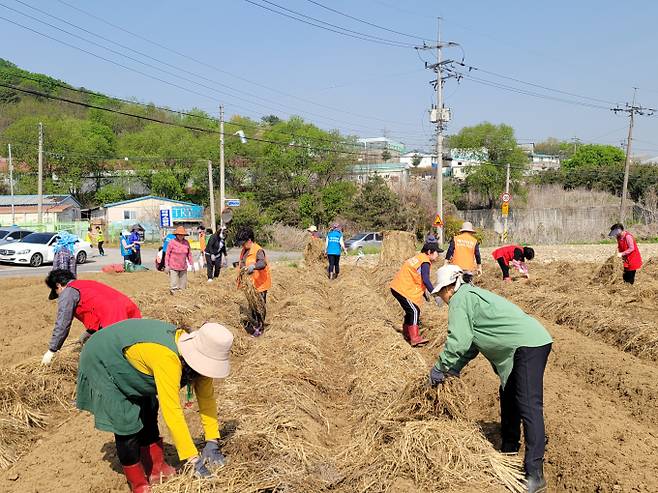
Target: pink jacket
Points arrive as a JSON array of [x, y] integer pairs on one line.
[[178, 255]]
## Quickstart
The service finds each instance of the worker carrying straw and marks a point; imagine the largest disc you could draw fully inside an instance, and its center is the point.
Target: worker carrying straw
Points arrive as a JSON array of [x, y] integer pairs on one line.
[[627, 250], [513, 255], [409, 287], [464, 250], [253, 261], [95, 304], [132, 368], [516, 345]]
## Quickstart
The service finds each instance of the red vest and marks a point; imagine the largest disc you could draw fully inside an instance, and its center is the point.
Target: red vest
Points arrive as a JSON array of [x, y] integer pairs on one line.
[[506, 252], [633, 261], [101, 306]]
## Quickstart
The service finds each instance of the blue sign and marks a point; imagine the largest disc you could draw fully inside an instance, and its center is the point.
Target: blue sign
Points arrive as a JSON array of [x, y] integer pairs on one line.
[[186, 212], [233, 202], [165, 218]]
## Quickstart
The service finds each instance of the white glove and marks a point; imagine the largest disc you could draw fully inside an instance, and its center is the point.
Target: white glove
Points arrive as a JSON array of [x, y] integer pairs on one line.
[[83, 337], [619, 255], [47, 358], [212, 257]]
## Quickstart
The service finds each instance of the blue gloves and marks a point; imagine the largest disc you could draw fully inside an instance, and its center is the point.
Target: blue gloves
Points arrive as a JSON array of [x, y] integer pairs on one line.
[[436, 376], [200, 469], [212, 455], [251, 269]]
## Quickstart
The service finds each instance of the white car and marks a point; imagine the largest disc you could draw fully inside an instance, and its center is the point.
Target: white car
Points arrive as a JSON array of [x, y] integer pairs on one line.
[[37, 249]]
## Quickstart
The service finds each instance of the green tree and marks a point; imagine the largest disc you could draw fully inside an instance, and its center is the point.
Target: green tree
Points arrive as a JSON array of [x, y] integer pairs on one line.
[[376, 207], [109, 194], [495, 146], [552, 146], [325, 204], [416, 160]]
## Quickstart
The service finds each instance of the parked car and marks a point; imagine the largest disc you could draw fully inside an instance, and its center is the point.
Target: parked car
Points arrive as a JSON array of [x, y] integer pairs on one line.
[[37, 249], [12, 233], [360, 240]]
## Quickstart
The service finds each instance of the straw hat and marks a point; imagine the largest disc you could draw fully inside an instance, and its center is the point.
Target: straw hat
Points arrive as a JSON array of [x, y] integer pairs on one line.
[[311, 229], [467, 227], [208, 350], [180, 230]]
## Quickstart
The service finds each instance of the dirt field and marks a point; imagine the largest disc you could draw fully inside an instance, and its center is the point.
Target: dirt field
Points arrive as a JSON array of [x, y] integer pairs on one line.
[[302, 409]]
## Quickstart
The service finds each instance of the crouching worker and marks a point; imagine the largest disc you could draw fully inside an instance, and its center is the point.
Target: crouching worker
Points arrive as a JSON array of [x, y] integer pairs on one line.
[[95, 304], [409, 286], [516, 345], [513, 255], [130, 369]]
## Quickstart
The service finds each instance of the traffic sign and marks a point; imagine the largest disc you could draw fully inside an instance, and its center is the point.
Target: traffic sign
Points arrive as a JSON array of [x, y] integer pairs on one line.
[[506, 197], [233, 202], [437, 223], [505, 209], [165, 218]]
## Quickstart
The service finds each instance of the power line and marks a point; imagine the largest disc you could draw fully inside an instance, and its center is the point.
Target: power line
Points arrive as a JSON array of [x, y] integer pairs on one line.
[[322, 116], [334, 28], [366, 22], [210, 66]]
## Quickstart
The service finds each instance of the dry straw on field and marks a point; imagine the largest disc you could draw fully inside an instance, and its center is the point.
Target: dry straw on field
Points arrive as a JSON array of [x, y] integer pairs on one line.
[[397, 247], [255, 303]]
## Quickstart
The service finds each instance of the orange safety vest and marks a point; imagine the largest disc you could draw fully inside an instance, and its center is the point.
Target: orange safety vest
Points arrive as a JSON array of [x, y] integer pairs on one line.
[[262, 278], [408, 281], [464, 254]]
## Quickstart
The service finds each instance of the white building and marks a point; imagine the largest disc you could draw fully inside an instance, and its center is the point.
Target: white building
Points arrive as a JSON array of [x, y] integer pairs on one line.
[[543, 162], [56, 209], [426, 160], [463, 160]]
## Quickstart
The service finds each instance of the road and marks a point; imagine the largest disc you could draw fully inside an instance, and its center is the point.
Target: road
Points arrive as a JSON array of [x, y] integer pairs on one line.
[[95, 262]]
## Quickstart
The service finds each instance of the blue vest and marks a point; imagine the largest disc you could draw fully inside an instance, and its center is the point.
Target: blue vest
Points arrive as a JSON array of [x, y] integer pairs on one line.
[[333, 247], [124, 252]]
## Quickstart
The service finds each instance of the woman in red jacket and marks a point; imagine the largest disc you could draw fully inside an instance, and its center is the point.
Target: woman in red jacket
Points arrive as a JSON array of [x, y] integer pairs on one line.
[[627, 250], [95, 304], [515, 255]]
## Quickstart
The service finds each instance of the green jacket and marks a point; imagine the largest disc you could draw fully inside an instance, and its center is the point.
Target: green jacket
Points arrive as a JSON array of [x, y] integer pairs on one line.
[[108, 386], [480, 321]]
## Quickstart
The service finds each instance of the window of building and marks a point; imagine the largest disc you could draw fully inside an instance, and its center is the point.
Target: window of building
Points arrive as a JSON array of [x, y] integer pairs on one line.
[[129, 214]]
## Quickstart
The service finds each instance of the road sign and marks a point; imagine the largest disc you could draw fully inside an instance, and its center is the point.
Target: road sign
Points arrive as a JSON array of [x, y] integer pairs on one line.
[[438, 223], [165, 218], [506, 197], [505, 209], [232, 202]]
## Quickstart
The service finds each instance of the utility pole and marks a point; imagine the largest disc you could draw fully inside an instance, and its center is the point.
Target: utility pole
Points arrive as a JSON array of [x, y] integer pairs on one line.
[[11, 187], [439, 115], [222, 190], [632, 109], [507, 192], [211, 190], [40, 184]]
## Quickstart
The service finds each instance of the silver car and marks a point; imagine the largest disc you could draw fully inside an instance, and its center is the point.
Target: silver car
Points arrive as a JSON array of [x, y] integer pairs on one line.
[[361, 240], [12, 234]]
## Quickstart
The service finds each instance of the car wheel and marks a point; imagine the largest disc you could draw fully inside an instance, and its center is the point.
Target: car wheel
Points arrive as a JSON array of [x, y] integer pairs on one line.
[[36, 260], [81, 258]]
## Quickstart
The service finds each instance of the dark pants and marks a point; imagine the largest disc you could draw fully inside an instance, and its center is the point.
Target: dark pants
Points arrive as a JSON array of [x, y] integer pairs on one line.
[[504, 267], [128, 445], [629, 276], [213, 266], [136, 257], [411, 310], [522, 400], [100, 248], [161, 264], [334, 264]]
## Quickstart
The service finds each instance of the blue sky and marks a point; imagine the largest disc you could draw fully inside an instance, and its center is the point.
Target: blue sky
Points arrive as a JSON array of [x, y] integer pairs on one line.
[[599, 49]]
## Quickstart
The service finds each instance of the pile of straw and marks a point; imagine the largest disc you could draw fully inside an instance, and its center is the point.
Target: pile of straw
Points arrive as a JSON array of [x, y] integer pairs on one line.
[[610, 272], [397, 247], [255, 303], [29, 393], [314, 252]]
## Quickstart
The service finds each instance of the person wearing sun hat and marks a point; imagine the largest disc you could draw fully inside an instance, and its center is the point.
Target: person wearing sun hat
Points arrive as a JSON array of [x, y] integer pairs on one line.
[[516, 345], [130, 369], [314, 231], [464, 250], [177, 258]]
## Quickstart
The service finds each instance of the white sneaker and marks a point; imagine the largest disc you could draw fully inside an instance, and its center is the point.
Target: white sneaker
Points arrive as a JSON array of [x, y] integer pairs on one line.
[[209, 280]]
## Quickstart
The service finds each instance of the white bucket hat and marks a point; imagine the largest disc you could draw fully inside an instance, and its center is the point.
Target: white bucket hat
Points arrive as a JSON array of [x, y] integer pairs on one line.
[[447, 275], [467, 227], [207, 350], [311, 228]]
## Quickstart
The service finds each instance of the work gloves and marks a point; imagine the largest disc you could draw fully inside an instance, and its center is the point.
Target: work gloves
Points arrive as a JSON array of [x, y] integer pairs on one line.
[[47, 358], [199, 467], [251, 269], [212, 454], [620, 255], [84, 337], [436, 377], [212, 258]]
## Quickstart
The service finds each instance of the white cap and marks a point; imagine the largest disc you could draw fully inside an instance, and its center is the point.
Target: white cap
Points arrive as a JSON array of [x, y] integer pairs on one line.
[[447, 275]]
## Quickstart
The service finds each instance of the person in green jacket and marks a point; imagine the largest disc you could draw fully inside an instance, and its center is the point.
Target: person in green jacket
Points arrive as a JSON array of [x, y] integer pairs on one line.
[[516, 345]]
